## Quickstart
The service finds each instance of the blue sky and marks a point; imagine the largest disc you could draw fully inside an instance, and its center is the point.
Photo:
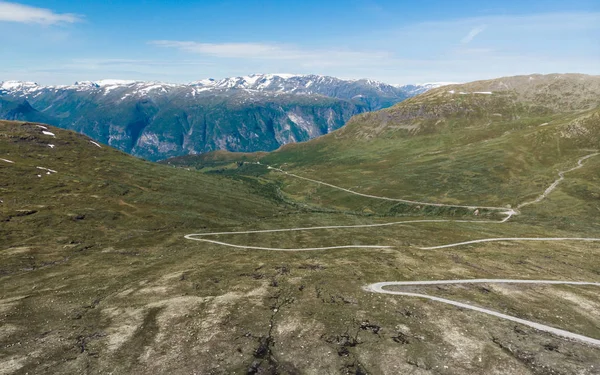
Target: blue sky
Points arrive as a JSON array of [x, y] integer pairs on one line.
[[63, 41]]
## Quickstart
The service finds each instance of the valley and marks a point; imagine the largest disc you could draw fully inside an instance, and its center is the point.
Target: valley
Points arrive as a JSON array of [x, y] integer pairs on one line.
[[299, 187], [379, 287], [448, 234]]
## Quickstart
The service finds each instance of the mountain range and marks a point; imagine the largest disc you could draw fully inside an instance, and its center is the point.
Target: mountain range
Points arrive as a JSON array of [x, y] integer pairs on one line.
[[156, 120]]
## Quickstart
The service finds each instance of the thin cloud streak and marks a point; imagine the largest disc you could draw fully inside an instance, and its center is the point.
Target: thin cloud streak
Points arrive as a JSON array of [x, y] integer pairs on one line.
[[472, 34], [275, 52], [14, 12]]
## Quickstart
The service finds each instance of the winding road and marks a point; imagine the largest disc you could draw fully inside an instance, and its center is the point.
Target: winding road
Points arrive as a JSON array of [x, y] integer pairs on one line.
[[508, 212], [380, 287]]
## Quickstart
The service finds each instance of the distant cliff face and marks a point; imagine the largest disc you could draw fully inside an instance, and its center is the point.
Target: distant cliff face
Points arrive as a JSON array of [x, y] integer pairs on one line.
[[156, 120]]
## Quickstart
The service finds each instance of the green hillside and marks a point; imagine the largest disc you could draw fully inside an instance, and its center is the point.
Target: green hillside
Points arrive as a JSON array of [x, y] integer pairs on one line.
[[97, 276], [502, 149], [81, 223], [493, 149]]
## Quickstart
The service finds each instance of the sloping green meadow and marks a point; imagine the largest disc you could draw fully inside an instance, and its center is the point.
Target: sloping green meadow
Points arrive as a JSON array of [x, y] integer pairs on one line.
[[97, 277]]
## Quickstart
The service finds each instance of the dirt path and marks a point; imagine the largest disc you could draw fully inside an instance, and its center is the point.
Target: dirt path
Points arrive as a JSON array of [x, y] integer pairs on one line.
[[561, 176], [511, 239], [380, 288], [197, 236], [472, 207]]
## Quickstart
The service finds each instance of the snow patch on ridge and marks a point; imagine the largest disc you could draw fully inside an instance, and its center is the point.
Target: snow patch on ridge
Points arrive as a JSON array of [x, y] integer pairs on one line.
[[19, 87], [113, 82], [14, 85]]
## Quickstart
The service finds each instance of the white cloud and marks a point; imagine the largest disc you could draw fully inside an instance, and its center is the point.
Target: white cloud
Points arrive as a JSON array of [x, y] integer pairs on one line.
[[232, 50], [13, 12], [472, 34], [271, 51]]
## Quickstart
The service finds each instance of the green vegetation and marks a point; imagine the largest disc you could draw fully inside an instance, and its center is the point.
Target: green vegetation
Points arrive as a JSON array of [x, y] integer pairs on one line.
[[491, 150], [97, 277]]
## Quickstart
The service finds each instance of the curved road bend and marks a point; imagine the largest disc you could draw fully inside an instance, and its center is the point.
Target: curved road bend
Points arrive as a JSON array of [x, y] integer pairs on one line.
[[511, 239], [379, 288]]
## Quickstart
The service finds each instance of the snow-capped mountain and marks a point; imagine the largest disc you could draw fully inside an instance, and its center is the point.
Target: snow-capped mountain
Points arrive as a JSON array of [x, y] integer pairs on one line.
[[300, 84], [266, 83], [155, 120]]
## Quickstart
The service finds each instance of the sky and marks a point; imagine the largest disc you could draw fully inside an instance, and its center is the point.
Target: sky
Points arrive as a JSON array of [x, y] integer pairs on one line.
[[399, 42]]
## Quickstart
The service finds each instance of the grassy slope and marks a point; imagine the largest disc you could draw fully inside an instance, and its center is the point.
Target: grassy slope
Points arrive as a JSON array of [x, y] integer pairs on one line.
[[499, 149], [495, 150], [105, 220], [101, 183], [125, 293]]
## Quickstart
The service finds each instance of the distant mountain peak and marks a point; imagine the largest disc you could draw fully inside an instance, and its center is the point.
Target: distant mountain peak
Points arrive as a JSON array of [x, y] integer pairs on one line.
[[114, 82], [16, 85], [367, 92], [261, 82]]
